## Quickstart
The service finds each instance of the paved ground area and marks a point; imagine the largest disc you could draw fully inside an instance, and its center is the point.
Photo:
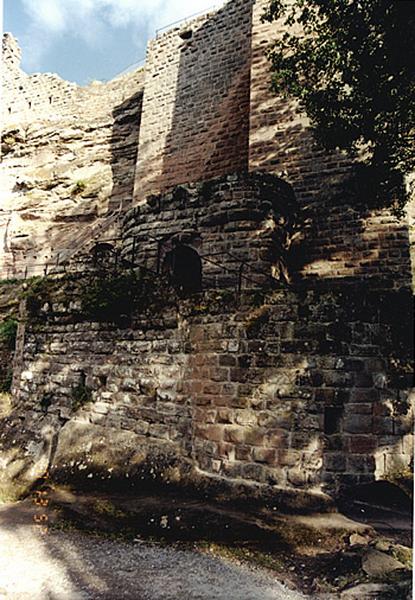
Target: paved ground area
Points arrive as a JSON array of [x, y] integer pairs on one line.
[[70, 565]]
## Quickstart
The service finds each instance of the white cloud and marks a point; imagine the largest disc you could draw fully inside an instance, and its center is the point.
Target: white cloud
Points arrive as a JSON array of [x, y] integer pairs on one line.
[[58, 16], [89, 19]]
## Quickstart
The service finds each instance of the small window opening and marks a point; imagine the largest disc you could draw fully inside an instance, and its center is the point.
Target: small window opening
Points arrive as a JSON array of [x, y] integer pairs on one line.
[[332, 419], [50, 99], [10, 110], [102, 251], [186, 35], [184, 268], [30, 105]]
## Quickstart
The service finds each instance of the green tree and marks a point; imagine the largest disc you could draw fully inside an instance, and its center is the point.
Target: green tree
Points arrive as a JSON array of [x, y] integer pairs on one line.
[[351, 65]]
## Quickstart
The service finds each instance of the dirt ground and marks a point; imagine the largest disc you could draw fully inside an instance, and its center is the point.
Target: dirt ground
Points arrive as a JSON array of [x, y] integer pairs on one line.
[[53, 564]]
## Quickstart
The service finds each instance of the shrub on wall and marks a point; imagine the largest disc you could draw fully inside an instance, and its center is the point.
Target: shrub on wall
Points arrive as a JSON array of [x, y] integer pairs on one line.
[[114, 297], [109, 296], [37, 294], [6, 378], [81, 395], [8, 331]]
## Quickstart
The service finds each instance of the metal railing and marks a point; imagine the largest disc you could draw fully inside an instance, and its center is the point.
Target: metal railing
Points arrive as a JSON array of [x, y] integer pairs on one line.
[[187, 19], [140, 63], [122, 261]]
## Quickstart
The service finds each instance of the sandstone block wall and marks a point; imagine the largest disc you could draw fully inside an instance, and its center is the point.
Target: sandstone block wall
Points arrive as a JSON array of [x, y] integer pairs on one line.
[[229, 221], [298, 387], [295, 392], [340, 241], [301, 387], [300, 390], [196, 103], [46, 96], [207, 111]]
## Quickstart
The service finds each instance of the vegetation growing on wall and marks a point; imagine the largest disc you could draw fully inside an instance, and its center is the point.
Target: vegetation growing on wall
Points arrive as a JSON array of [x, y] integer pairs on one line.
[[350, 65], [79, 187], [6, 379], [37, 294], [115, 296], [8, 331], [81, 395]]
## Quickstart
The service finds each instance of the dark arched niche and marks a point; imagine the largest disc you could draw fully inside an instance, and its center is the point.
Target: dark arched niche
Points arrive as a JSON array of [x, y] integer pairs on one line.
[[183, 266]]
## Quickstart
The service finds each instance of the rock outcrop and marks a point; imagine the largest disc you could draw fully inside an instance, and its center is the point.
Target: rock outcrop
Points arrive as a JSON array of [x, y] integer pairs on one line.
[[67, 162]]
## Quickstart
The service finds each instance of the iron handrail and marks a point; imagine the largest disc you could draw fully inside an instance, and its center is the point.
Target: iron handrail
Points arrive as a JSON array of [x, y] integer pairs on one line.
[[206, 11]]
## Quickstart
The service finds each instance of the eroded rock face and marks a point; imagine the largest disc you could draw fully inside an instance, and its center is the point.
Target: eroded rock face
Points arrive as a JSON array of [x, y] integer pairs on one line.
[[68, 157]]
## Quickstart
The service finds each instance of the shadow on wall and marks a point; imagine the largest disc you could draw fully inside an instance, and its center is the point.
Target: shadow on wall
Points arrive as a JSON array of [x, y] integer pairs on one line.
[[209, 134], [35, 236], [340, 241], [124, 150], [197, 108], [337, 238], [310, 392]]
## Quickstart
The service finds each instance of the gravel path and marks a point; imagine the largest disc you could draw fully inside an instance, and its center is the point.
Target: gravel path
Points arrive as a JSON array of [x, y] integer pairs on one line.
[[70, 565]]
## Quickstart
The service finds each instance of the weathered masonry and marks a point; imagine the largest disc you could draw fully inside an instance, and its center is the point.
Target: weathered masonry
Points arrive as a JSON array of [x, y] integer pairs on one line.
[[225, 316], [296, 388]]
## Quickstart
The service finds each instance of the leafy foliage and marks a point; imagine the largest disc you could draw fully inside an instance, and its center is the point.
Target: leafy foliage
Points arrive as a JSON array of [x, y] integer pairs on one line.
[[81, 395], [79, 187], [114, 297], [8, 331], [6, 379], [350, 63], [38, 293]]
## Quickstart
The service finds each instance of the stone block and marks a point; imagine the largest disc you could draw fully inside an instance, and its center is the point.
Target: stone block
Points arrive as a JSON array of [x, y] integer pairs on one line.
[[256, 436], [246, 417], [362, 444], [141, 427], [215, 433], [335, 462], [101, 408], [253, 471], [364, 395], [288, 458], [264, 455], [243, 453], [235, 434], [383, 425], [358, 463], [357, 424], [225, 415], [297, 476], [227, 360]]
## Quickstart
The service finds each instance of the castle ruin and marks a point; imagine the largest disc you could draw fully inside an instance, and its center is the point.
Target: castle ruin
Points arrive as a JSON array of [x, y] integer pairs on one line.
[[266, 341]]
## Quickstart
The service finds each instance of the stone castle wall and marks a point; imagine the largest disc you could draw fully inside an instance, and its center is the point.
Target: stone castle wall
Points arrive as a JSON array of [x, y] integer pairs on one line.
[[229, 221], [46, 96], [300, 387], [207, 110], [196, 102], [296, 392], [276, 371], [339, 241]]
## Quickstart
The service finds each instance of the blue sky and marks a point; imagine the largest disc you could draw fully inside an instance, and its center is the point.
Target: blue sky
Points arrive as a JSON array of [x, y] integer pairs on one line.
[[83, 40]]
